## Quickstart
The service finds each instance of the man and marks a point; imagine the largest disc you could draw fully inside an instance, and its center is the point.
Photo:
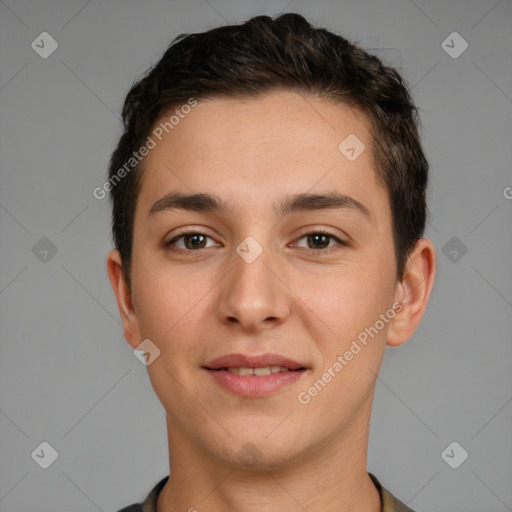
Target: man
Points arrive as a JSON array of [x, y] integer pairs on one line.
[[268, 212]]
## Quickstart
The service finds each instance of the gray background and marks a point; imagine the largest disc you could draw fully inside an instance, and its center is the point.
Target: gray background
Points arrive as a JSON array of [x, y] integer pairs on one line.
[[68, 377]]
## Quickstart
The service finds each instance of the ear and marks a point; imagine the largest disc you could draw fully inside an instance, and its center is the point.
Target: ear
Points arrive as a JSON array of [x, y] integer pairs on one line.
[[413, 292], [124, 298]]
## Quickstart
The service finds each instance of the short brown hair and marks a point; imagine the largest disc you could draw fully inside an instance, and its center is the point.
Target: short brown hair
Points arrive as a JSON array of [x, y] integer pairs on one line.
[[287, 52]]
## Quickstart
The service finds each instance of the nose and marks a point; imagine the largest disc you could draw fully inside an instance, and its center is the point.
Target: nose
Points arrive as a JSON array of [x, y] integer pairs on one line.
[[253, 294]]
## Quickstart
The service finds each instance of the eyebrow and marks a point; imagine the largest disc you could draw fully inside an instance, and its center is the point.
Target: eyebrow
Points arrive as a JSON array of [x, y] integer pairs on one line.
[[209, 203]]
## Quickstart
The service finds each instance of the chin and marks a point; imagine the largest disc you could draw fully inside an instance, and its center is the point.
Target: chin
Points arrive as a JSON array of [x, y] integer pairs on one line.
[[262, 452], [255, 459]]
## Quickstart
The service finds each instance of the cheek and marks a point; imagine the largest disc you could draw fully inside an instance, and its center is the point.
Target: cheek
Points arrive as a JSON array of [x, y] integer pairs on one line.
[[173, 307], [353, 346], [164, 292], [350, 303], [348, 297]]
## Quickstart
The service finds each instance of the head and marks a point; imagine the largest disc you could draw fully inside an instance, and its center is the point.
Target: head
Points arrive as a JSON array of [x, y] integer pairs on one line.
[[246, 116], [262, 55]]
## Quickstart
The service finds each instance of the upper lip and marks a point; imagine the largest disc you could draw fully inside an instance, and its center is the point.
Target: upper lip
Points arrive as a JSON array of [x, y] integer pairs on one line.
[[252, 361]]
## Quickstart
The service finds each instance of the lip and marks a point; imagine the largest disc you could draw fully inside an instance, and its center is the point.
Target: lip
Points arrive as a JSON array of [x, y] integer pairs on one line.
[[252, 361], [253, 385]]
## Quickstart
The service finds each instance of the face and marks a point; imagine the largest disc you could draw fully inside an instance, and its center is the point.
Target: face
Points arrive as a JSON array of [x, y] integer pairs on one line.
[[264, 269]]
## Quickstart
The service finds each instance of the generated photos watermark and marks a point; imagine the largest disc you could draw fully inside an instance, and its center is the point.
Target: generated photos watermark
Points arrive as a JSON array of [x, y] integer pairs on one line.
[[149, 144], [304, 397]]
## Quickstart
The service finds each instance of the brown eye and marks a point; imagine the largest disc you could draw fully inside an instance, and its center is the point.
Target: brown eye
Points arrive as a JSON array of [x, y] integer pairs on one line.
[[319, 240], [196, 241], [189, 241]]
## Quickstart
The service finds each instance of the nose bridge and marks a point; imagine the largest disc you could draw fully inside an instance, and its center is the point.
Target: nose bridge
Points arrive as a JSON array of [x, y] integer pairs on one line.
[[252, 294]]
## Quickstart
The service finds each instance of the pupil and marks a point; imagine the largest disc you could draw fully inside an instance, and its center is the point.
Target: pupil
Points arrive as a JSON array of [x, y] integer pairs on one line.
[[316, 237], [196, 238]]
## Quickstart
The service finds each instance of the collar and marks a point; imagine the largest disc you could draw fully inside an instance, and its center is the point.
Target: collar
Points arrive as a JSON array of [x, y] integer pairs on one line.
[[389, 502]]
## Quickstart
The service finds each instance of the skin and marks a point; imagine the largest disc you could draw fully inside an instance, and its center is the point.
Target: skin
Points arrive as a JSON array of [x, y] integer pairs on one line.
[[294, 300]]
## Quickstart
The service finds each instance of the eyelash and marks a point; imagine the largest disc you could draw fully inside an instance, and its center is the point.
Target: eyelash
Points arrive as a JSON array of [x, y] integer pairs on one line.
[[325, 250]]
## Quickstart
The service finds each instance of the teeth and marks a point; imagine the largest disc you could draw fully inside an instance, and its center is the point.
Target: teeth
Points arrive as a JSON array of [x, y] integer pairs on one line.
[[267, 370]]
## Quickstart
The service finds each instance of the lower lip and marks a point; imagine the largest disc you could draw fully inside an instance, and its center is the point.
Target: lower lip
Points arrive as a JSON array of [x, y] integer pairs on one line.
[[255, 385]]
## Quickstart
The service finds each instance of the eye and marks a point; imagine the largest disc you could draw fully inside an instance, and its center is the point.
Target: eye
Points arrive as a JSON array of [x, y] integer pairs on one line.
[[193, 240], [320, 240], [189, 241]]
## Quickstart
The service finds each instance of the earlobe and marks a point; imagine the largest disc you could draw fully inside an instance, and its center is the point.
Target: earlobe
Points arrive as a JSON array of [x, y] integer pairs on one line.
[[413, 292], [123, 297]]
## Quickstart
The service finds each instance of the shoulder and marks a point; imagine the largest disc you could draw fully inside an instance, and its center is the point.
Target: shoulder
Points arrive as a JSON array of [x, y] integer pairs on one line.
[[389, 502], [149, 503]]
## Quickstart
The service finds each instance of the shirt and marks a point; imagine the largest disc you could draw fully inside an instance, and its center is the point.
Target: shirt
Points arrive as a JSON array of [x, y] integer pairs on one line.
[[389, 502]]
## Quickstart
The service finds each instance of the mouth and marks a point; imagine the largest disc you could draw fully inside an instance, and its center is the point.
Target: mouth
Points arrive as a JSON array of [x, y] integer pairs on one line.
[[262, 363], [259, 372], [254, 376]]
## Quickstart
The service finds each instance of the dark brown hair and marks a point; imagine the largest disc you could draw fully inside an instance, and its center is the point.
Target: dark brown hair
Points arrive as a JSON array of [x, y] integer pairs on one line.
[[255, 57]]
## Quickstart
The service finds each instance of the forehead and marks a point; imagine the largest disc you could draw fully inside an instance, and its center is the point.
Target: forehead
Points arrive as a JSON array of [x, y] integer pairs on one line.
[[264, 146]]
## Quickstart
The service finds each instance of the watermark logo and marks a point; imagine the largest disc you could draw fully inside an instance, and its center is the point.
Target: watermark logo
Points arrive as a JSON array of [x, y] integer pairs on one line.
[[249, 455], [351, 147], [454, 45], [44, 455], [44, 45], [249, 250], [44, 250], [454, 249], [454, 455], [146, 352]]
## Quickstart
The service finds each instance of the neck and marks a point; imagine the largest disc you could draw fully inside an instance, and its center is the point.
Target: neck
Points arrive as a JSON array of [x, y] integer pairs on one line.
[[328, 478]]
